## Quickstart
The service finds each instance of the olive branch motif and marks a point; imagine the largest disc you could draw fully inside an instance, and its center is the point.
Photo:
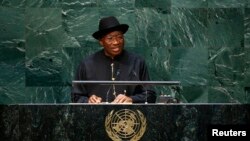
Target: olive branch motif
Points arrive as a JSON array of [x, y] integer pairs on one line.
[[142, 129], [115, 137]]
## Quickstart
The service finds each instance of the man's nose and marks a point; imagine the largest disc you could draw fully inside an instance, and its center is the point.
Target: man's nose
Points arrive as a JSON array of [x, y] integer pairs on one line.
[[115, 41]]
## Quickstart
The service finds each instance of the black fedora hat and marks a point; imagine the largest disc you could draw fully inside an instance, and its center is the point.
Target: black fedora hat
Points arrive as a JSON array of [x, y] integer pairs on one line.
[[107, 25]]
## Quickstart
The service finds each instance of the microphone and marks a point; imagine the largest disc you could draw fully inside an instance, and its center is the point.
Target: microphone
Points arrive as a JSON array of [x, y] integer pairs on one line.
[[135, 74], [107, 94], [113, 79], [143, 87], [118, 72]]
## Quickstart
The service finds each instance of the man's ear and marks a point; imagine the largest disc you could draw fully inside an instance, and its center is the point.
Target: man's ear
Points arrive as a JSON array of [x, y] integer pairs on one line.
[[101, 42]]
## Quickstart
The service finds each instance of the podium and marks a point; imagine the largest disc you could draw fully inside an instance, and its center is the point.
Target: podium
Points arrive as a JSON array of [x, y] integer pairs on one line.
[[86, 122]]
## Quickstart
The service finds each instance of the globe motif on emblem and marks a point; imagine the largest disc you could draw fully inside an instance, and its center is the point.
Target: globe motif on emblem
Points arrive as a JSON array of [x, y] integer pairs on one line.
[[125, 124]]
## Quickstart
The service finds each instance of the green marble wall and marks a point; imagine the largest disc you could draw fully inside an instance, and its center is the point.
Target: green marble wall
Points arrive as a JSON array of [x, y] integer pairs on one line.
[[203, 43]]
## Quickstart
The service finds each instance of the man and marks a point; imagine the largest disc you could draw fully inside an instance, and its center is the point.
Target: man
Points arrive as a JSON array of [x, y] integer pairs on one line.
[[114, 63]]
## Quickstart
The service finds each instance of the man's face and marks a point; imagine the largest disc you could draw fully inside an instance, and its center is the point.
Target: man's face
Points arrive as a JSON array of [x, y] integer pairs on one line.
[[112, 43]]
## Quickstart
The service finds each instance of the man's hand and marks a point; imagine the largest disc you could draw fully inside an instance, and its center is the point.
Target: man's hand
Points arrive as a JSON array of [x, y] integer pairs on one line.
[[95, 99], [121, 98]]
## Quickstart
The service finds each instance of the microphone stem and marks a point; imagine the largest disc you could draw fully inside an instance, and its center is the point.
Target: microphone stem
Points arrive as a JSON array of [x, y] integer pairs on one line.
[[113, 78]]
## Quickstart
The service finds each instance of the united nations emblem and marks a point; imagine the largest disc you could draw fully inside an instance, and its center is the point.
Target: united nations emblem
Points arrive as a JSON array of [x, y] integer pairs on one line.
[[125, 124]]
